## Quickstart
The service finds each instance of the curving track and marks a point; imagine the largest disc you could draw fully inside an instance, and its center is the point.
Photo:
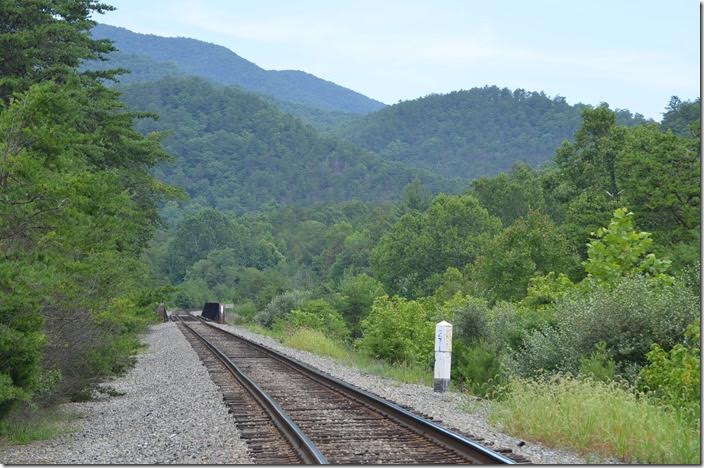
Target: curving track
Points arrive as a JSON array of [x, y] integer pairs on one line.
[[341, 424]]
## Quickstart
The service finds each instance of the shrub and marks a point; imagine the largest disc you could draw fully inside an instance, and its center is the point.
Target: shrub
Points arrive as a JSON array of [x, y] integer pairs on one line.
[[279, 306], [619, 250], [675, 377], [316, 314], [598, 365], [593, 417], [246, 311], [468, 316], [357, 294], [398, 330], [477, 367], [628, 317]]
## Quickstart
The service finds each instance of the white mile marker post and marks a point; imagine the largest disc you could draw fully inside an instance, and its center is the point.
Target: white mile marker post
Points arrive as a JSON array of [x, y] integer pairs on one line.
[[443, 356]]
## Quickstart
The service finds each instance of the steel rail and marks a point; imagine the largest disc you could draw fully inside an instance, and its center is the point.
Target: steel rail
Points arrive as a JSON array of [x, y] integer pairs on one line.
[[303, 446], [440, 435]]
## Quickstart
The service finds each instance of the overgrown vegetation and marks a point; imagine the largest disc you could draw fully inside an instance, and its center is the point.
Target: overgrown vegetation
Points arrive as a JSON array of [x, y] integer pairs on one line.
[[573, 288], [78, 206], [542, 272]]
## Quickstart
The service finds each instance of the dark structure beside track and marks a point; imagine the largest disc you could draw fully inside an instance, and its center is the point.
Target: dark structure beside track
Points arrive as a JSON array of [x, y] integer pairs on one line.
[[214, 311]]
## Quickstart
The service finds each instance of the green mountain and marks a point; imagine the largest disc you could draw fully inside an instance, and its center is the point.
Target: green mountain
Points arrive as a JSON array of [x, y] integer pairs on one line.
[[471, 133], [236, 151], [221, 65]]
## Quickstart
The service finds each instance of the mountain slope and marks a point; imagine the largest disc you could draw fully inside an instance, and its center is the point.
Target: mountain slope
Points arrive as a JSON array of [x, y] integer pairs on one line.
[[221, 65], [236, 151], [471, 133]]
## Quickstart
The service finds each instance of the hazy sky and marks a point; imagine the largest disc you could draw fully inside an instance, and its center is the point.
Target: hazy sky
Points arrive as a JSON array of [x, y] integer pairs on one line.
[[631, 54]]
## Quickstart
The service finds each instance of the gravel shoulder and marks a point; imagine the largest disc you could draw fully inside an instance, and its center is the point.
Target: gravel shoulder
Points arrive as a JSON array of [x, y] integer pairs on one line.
[[171, 412], [447, 407]]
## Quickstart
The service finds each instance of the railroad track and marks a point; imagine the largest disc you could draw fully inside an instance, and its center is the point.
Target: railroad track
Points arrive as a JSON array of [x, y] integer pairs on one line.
[[288, 412]]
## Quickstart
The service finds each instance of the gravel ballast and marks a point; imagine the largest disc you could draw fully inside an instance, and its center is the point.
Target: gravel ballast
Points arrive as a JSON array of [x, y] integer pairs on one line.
[[171, 412], [447, 407]]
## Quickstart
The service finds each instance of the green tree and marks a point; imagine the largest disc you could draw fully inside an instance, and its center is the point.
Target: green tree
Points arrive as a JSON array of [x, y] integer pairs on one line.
[[531, 246], [45, 40], [399, 331], [510, 195], [77, 206], [619, 250], [415, 252], [197, 235]]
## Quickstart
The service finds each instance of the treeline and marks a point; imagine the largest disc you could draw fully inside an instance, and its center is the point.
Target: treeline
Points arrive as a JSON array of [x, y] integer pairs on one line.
[[588, 266], [78, 205], [471, 133]]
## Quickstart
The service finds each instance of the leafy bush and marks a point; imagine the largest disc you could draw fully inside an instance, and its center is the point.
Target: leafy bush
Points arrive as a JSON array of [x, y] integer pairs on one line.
[[675, 377], [510, 324], [619, 250], [628, 317], [598, 365], [280, 306], [469, 317], [477, 367], [398, 330], [316, 314], [357, 294], [246, 311], [547, 289]]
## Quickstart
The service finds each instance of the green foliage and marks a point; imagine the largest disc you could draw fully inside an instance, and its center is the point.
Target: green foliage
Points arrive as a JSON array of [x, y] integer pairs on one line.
[[398, 330], [544, 290], [674, 377], [316, 314], [511, 195], [470, 133], [681, 117], [357, 294], [530, 246], [237, 152], [191, 294], [598, 365], [477, 367], [246, 311], [78, 207], [469, 317], [280, 306], [451, 233], [619, 250], [628, 317], [62, 30]]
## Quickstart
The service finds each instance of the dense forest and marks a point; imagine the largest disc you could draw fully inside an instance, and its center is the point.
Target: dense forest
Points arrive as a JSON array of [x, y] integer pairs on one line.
[[471, 133], [236, 151], [78, 206], [567, 256]]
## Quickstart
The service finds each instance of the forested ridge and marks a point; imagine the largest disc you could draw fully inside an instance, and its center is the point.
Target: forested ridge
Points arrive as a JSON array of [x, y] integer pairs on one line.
[[235, 151], [567, 259], [223, 66], [470, 133]]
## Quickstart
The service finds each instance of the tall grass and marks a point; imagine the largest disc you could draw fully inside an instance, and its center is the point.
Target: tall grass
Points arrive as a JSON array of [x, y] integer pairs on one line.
[[316, 342], [593, 417], [25, 425]]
